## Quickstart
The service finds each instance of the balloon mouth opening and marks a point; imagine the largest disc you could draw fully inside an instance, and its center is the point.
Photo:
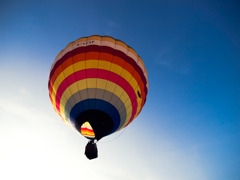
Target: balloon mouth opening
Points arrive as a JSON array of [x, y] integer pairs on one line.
[[94, 124], [87, 131]]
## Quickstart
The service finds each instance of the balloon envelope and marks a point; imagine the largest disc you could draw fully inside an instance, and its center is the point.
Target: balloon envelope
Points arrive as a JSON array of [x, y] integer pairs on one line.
[[98, 85]]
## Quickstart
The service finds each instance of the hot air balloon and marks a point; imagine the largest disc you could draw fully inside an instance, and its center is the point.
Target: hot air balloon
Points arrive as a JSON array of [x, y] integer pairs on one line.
[[98, 85]]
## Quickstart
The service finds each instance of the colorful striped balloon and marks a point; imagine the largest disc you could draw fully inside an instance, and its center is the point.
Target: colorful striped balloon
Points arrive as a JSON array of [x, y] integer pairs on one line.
[[98, 85]]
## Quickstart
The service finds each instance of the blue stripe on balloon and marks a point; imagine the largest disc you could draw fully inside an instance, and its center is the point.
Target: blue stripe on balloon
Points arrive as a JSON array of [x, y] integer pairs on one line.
[[96, 104]]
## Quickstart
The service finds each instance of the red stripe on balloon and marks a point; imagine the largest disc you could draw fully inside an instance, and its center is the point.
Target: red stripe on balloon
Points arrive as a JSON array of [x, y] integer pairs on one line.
[[94, 48], [100, 74], [87, 129], [138, 81]]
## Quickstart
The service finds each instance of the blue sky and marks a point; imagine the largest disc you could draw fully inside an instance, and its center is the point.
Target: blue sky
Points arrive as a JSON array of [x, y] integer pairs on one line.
[[189, 127]]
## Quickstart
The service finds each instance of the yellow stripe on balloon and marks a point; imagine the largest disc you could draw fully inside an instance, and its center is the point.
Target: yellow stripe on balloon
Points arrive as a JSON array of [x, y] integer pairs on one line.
[[94, 64], [119, 45], [119, 92], [86, 130]]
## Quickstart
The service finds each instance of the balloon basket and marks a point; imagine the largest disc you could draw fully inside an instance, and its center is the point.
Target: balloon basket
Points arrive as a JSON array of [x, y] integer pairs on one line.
[[91, 151]]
